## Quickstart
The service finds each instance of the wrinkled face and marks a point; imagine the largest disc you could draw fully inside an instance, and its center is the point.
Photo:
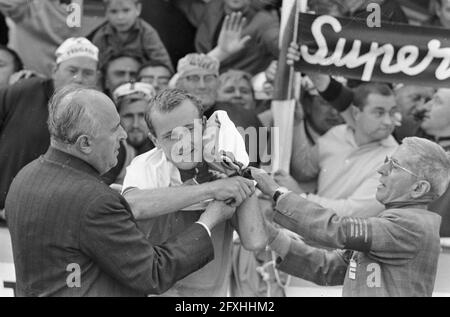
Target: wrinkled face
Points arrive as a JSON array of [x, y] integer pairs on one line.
[[132, 118], [377, 120], [237, 5], [105, 145], [77, 70], [157, 76], [412, 98], [122, 14], [396, 184], [322, 115], [179, 135], [237, 92], [437, 117], [443, 12], [121, 71], [201, 83], [6, 67]]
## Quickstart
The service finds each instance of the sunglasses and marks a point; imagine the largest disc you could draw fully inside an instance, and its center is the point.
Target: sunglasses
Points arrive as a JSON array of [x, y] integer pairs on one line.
[[393, 164]]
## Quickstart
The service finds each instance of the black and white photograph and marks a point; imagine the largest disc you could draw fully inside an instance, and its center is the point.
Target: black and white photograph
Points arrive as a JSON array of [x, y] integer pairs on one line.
[[224, 155]]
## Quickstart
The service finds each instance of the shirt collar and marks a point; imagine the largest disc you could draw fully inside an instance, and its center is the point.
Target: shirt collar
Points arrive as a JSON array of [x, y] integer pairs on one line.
[[68, 160], [109, 30], [387, 142]]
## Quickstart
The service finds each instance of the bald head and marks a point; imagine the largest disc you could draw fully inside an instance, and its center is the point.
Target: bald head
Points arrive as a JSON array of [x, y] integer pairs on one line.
[[85, 123], [70, 114]]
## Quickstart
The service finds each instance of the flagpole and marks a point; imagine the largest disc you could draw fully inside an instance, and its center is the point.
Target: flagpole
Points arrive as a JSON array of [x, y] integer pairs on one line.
[[300, 6]]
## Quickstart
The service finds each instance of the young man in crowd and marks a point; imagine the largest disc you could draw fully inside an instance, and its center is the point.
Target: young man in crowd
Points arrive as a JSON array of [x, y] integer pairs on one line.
[[346, 158], [24, 111], [393, 254], [162, 186], [124, 30], [155, 74], [131, 100], [119, 69]]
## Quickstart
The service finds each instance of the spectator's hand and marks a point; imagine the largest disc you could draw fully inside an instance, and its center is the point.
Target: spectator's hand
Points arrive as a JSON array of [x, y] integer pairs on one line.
[[216, 212], [286, 180], [232, 190], [230, 38], [293, 54], [271, 71], [265, 182], [23, 74], [2, 214]]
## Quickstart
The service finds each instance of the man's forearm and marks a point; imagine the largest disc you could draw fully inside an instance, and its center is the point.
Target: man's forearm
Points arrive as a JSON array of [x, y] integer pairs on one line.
[[151, 203], [322, 225], [251, 225], [319, 266]]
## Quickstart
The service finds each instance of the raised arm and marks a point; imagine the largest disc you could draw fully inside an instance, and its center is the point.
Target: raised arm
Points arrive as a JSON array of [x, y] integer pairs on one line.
[[231, 39], [388, 235]]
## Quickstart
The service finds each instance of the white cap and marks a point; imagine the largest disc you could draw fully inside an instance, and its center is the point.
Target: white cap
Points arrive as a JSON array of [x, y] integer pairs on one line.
[[195, 61], [144, 90], [76, 47]]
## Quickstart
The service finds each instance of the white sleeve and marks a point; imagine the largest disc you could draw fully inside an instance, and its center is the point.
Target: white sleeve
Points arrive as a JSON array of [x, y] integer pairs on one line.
[[135, 177]]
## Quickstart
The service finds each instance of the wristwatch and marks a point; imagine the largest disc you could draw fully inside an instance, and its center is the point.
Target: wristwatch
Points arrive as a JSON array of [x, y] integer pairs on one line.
[[279, 192]]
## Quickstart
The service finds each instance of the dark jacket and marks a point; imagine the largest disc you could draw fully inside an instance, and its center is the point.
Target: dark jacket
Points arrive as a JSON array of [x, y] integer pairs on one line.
[[63, 220], [23, 127], [395, 254]]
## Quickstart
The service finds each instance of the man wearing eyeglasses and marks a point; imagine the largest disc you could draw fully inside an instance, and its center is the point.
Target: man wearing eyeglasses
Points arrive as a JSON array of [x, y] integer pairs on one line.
[[394, 254]]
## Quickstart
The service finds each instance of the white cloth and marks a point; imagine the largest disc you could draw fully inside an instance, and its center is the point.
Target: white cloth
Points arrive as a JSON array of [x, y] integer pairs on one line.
[[223, 145]]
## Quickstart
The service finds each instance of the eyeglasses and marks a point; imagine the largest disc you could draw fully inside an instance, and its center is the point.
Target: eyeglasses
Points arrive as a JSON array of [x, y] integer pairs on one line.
[[196, 78], [393, 164]]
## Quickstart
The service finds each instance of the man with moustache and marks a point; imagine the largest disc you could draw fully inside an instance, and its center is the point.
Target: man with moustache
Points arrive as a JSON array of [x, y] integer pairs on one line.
[[74, 236], [393, 254], [23, 107], [131, 100]]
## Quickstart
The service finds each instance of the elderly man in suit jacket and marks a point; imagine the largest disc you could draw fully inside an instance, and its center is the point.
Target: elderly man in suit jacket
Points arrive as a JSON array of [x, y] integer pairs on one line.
[[74, 236], [393, 254]]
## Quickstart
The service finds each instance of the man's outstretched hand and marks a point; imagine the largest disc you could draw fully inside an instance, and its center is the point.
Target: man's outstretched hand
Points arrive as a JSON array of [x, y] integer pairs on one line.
[[233, 190], [264, 181]]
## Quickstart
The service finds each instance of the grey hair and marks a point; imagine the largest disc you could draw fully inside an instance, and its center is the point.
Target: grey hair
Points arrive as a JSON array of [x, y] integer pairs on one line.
[[236, 75], [166, 101], [69, 117], [430, 161]]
